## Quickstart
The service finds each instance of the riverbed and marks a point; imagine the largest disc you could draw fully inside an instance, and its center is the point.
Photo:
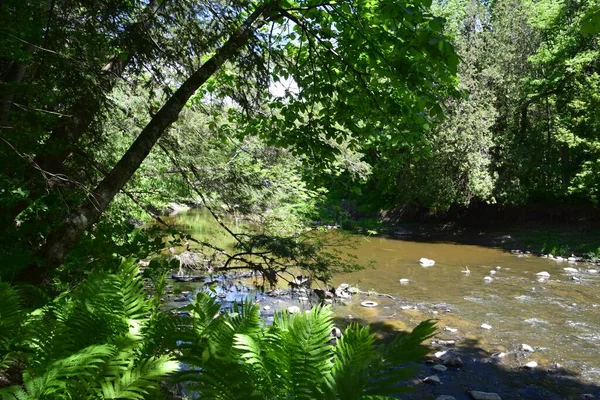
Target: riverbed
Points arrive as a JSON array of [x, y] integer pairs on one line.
[[469, 287]]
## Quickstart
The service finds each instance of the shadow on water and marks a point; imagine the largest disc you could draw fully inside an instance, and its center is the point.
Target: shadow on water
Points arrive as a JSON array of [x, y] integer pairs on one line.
[[484, 371]]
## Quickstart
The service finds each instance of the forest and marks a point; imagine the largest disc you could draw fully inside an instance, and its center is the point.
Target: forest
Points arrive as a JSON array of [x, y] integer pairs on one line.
[[289, 115]]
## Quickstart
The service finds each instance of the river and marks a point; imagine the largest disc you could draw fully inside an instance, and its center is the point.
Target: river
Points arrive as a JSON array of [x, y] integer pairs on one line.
[[558, 317]]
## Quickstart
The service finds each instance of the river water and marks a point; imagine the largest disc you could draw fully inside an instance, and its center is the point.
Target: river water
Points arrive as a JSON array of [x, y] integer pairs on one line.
[[558, 317]]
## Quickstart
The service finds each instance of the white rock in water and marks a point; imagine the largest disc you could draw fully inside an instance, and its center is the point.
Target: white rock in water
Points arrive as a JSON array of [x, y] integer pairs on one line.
[[498, 267], [433, 379], [543, 274], [441, 354], [569, 269], [592, 271], [266, 308], [531, 365], [488, 278], [542, 280], [445, 397], [486, 326], [404, 281], [559, 258], [526, 347], [492, 272], [451, 330], [572, 259], [293, 309], [477, 395], [426, 262]]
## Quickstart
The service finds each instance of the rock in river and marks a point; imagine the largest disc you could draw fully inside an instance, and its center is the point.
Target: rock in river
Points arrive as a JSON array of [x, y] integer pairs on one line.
[[449, 358], [531, 365], [487, 327], [527, 348], [477, 395], [293, 309], [426, 262], [445, 397], [433, 380], [440, 368], [569, 269], [543, 274]]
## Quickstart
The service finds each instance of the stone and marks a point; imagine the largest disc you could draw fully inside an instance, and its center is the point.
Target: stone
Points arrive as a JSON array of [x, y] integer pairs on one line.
[[542, 280], [587, 396], [488, 278], [266, 308], [440, 368], [426, 262], [448, 343], [445, 397], [404, 281], [572, 259], [487, 327], [527, 348], [293, 309], [492, 272], [592, 271], [433, 380], [451, 330], [477, 395], [543, 274], [303, 299], [569, 269], [336, 332], [531, 365], [498, 267], [575, 278], [449, 358], [499, 355]]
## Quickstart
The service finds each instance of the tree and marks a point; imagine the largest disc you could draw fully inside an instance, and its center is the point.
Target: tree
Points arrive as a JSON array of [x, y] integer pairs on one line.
[[398, 64]]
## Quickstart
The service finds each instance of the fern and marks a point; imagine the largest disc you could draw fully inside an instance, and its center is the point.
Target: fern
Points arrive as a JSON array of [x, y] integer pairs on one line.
[[90, 342], [292, 359]]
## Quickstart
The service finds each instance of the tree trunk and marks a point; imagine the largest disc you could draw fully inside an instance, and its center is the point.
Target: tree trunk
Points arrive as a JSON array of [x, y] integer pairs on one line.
[[67, 235], [59, 146], [14, 77]]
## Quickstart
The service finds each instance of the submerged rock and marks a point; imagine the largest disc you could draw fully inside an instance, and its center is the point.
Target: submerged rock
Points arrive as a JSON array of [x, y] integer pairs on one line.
[[440, 368], [445, 397], [477, 395], [487, 327]]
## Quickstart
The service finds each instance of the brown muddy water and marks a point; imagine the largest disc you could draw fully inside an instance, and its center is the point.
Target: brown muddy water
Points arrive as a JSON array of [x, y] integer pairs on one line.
[[558, 317]]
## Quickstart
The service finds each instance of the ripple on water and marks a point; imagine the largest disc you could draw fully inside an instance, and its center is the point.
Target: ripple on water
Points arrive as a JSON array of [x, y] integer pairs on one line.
[[477, 300], [537, 321]]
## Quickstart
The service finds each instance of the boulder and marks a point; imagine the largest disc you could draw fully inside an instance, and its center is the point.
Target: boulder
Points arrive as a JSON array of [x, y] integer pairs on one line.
[[571, 270], [543, 274], [293, 309], [487, 327]]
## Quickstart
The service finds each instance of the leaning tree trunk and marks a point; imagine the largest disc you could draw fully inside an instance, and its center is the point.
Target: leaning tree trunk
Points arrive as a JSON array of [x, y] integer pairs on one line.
[[60, 144], [67, 235]]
